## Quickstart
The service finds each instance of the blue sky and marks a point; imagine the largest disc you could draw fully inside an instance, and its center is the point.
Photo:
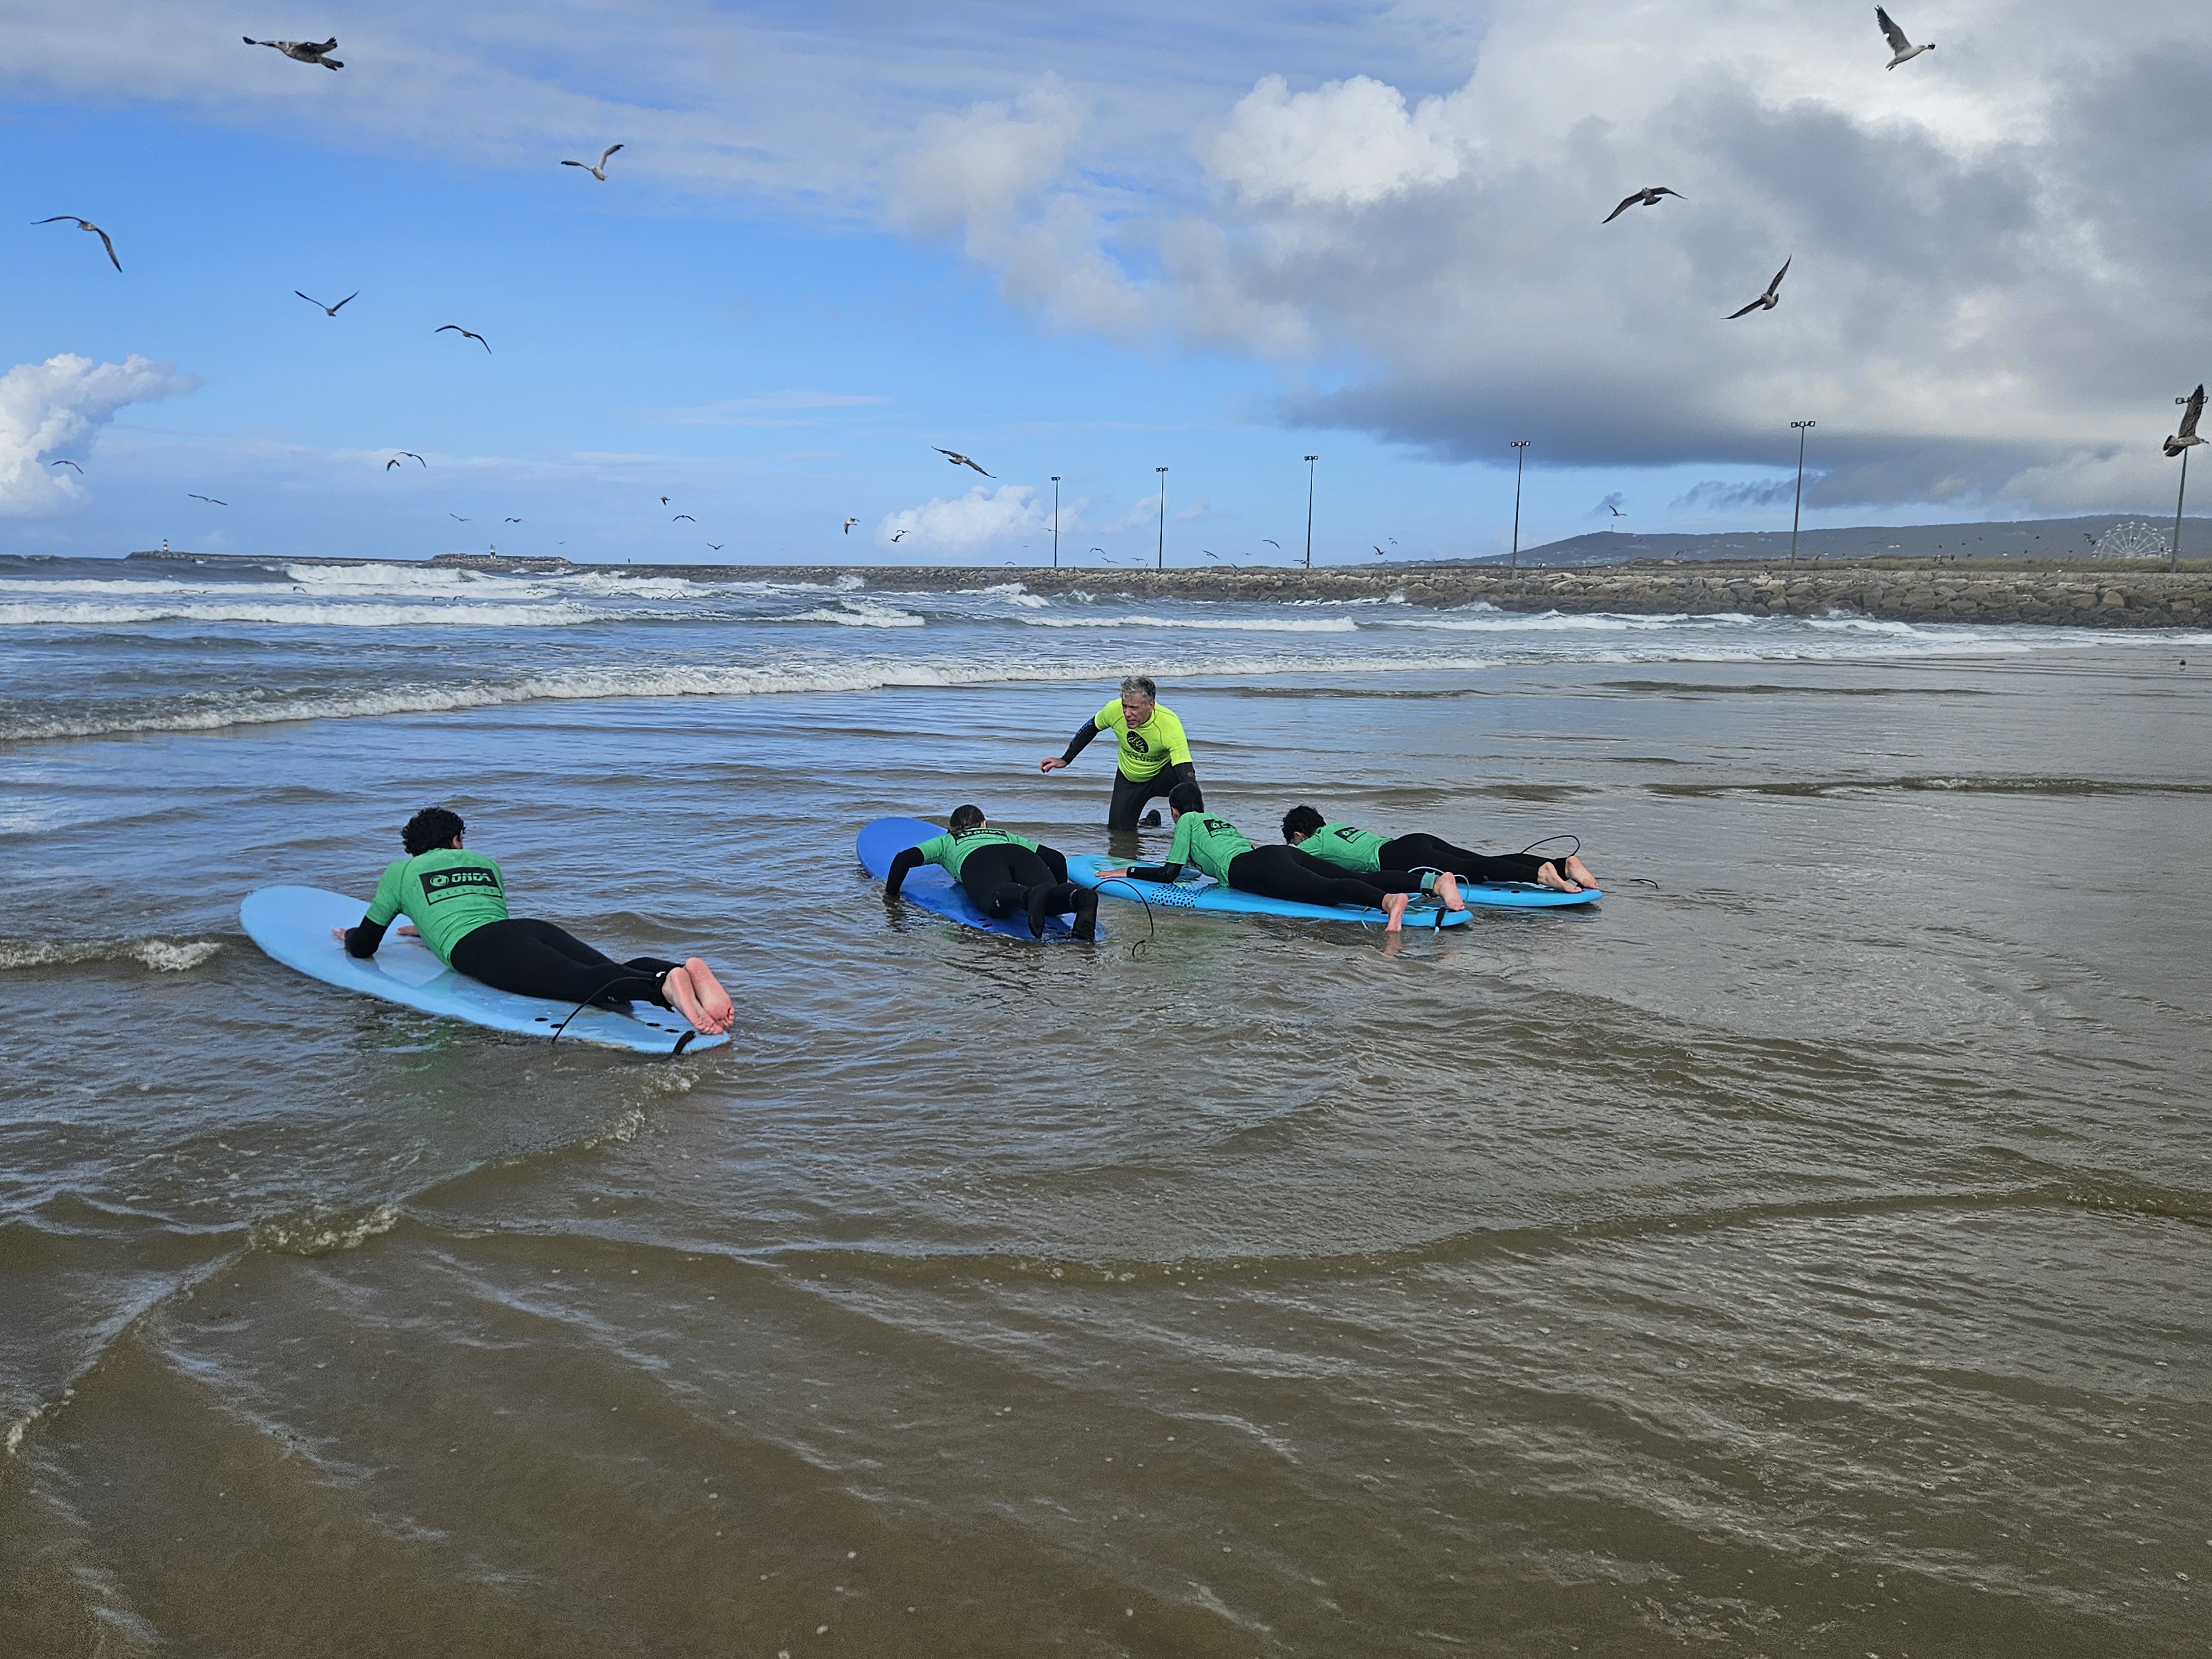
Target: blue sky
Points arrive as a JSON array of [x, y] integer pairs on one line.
[[841, 236]]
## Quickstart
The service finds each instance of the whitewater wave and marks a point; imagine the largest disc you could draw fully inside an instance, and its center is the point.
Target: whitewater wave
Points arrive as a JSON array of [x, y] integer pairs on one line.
[[324, 1234], [162, 956], [857, 613], [1206, 624], [279, 614]]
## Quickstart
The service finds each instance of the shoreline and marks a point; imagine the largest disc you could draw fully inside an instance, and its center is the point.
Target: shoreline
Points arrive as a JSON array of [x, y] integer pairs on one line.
[[2083, 594]]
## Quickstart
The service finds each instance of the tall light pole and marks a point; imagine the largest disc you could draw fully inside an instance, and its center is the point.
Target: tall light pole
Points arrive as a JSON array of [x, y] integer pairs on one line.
[[1311, 459], [1055, 521], [1161, 557], [1519, 446], [2173, 555], [1801, 427]]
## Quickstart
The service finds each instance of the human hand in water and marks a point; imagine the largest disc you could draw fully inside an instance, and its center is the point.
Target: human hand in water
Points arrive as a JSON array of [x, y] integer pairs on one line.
[[1051, 763], [1113, 875]]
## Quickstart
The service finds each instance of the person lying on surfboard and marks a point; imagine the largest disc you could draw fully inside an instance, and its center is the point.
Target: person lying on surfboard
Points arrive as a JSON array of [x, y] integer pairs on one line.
[[1007, 874], [1151, 754], [1214, 845], [1363, 851], [457, 901]]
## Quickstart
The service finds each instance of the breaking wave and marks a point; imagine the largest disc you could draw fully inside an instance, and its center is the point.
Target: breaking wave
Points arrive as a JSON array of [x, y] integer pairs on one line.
[[162, 956]]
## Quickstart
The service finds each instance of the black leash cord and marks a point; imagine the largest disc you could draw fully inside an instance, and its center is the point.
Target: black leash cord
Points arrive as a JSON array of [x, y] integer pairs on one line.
[[1137, 892]]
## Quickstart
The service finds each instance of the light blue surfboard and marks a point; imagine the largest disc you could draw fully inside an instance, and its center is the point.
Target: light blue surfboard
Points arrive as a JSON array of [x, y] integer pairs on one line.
[[932, 889], [293, 925], [1203, 894]]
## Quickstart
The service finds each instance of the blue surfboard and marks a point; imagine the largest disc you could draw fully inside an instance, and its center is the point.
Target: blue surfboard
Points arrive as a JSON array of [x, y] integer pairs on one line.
[[293, 925], [932, 889], [1208, 896]]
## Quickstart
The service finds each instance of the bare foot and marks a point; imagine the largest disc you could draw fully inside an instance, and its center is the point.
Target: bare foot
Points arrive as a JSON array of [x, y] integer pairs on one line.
[[1548, 876], [677, 986], [1394, 906], [1448, 890], [1577, 871], [712, 997]]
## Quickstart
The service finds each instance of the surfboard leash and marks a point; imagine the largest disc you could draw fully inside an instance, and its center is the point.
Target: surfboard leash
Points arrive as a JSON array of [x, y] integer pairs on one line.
[[1145, 943]]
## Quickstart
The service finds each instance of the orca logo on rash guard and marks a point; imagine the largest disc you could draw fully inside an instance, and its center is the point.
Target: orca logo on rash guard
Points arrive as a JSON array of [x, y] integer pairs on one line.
[[439, 884]]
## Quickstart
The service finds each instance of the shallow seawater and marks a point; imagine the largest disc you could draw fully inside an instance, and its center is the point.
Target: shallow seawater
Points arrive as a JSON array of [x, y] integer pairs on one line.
[[1803, 1251]]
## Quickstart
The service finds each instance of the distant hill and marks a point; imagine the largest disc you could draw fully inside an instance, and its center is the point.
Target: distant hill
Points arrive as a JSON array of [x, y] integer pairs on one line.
[[2030, 538]]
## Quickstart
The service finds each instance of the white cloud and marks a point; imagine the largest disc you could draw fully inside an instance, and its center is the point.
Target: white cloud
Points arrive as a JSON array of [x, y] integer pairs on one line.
[[984, 173], [969, 521], [1350, 143], [52, 410]]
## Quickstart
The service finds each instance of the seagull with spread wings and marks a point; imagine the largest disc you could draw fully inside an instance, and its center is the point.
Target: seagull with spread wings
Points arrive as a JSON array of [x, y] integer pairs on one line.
[[331, 310], [466, 334], [2183, 439], [598, 169], [72, 466], [900, 537], [684, 518], [1648, 197], [302, 51], [209, 500], [1901, 48], [1767, 301], [407, 454], [959, 459], [849, 523], [1272, 542], [85, 224]]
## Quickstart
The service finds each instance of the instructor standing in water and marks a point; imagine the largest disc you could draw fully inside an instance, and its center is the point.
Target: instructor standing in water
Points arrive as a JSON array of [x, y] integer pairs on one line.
[[1151, 754]]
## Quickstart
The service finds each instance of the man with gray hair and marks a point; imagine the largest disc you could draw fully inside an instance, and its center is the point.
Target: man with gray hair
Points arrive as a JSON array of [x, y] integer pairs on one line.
[[1151, 754]]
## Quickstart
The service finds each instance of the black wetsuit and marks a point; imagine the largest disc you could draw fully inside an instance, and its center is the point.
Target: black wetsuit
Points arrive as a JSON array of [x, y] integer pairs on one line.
[[1284, 873], [1429, 853], [1002, 876], [535, 958]]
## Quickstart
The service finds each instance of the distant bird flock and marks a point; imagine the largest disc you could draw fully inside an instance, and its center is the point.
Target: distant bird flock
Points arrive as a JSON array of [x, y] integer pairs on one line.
[[1901, 48]]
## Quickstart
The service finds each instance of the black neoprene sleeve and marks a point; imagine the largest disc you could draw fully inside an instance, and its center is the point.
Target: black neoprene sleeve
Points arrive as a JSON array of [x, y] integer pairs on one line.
[[1081, 741], [1168, 872], [904, 865], [362, 941]]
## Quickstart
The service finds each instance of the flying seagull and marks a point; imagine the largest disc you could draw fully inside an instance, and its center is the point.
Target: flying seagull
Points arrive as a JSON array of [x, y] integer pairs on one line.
[[1899, 45], [511, 521], [1210, 554], [849, 523], [85, 224], [1381, 554], [2183, 439], [959, 459], [1767, 301], [466, 334], [683, 517], [664, 501], [716, 547], [80, 470], [209, 500], [1647, 196], [1272, 542], [331, 310], [1617, 512], [302, 51], [598, 169], [457, 518], [406, 454], [900, 537]]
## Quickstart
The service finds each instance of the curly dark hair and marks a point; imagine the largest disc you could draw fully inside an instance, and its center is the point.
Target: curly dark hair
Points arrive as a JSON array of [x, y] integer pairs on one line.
[[1301, 821], [434, 826]]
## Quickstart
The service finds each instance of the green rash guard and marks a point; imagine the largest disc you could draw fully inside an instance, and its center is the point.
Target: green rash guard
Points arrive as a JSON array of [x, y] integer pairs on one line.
[[951, 851], [1207, 842], [1143, 751], [445, 892], [1355, 849]]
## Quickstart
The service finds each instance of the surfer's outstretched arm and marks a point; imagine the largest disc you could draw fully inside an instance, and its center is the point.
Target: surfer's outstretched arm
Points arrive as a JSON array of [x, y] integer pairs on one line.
[[1166, 873], [902, 866], [1076, 745], [362, 941]]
